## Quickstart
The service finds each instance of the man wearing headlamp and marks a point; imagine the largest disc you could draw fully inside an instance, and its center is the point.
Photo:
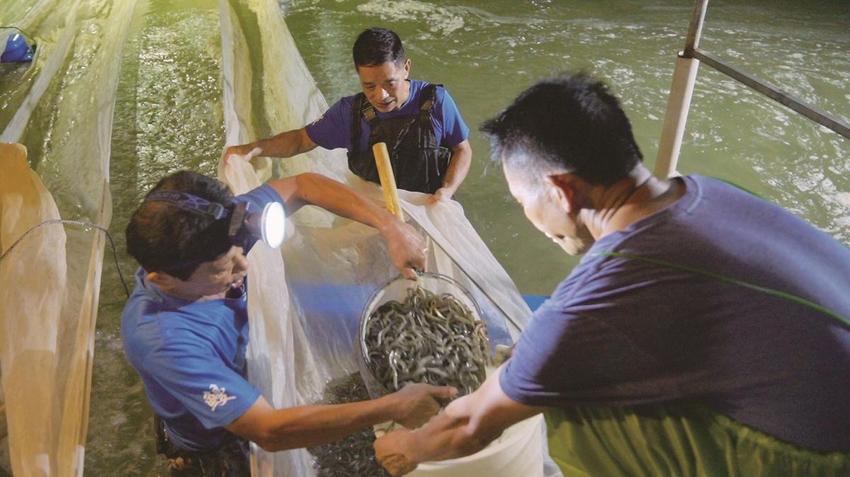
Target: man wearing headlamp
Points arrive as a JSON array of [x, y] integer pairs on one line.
[[185, 327]]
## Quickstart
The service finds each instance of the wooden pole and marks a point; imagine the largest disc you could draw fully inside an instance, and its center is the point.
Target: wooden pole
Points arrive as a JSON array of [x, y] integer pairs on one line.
[[385, 173]]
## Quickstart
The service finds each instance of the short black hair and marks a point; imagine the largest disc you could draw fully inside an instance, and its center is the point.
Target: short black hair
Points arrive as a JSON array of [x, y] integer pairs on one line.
[[165, 238], [570, 123], [376, 46]]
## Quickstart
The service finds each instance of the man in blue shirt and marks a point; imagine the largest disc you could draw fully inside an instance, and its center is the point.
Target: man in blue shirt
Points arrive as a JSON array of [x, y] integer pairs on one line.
[[185, 327], [704, 332], [420, 123]]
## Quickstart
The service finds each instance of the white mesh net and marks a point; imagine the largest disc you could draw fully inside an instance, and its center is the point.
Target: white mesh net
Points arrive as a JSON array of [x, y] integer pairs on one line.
[[50, 281], [303, 319], [49, 303], [332, 264]]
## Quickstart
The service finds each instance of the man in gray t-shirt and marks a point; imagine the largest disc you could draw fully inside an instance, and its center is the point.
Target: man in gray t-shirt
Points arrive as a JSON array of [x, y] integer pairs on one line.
[[705, 332]]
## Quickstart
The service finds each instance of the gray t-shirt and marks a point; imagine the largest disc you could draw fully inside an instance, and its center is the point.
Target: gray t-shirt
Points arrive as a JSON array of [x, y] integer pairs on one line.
[[685, 321]]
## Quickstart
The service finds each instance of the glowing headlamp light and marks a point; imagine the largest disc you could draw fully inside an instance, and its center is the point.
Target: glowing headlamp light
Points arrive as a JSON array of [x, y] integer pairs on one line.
[[268, 225], [245, 223]]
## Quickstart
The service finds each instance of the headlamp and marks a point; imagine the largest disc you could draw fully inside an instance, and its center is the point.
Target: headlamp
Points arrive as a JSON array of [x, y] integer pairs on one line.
[[246, 223], [267, 225]]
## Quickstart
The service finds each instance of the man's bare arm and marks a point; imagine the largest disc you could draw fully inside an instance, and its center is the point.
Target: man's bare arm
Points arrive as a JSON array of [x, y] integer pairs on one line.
[[285, 144], [466, 426], [459, 164], [306, 426], [405, 246]]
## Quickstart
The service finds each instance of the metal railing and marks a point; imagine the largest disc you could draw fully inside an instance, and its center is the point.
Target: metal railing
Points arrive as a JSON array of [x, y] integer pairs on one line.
[[681, 92]]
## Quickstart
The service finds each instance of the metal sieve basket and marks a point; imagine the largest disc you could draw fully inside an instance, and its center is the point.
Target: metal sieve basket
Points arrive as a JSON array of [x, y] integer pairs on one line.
[[396, 290]]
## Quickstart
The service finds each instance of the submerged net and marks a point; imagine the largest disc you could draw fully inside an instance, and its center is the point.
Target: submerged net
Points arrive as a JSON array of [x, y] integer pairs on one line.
[[354, 454]]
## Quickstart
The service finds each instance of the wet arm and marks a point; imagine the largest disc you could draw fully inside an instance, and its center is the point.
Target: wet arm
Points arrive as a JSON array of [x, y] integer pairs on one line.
[[404, 244], [285, 144], [306, 426], [459, 164], [466, 426], [316, 189]]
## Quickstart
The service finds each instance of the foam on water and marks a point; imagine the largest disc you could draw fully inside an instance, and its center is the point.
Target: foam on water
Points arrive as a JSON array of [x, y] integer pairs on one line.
[[440, 20]]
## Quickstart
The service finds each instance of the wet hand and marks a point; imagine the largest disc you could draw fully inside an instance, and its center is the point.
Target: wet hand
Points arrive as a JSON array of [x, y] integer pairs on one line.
[[245, 151], [406, 249], [416, 403], [389, 453], [443, 193]]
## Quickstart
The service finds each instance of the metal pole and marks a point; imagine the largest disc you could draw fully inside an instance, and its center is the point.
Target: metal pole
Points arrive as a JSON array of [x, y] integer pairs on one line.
[[681, 91], [774, 93]]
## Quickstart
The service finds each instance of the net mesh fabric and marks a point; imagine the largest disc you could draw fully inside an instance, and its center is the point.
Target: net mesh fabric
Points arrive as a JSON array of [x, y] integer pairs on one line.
[[304, 315], [50, 281], [49, 304]]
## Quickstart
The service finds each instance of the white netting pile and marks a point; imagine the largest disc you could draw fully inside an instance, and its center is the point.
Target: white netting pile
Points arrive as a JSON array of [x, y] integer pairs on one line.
[[304, 318]]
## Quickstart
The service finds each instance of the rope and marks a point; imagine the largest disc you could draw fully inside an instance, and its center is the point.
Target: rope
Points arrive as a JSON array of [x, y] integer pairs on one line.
[[85, 226]]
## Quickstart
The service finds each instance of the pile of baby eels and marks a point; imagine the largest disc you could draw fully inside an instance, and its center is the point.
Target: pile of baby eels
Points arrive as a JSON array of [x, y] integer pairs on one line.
[[352, 455], [428, 338]]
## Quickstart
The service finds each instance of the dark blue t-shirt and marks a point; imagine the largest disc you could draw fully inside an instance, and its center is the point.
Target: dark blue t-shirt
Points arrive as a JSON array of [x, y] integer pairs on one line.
[[622, 331], [333, 129], [191, 355]]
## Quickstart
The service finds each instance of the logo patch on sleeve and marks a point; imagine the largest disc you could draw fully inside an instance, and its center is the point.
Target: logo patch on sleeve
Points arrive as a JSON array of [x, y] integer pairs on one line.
[[216, 397]]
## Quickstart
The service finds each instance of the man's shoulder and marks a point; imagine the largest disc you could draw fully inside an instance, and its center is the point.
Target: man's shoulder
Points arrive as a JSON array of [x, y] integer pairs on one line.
[[712, 186], [344, 103], [175, 331], [420, 89], [336, 118], [444, 107], [148, 320]]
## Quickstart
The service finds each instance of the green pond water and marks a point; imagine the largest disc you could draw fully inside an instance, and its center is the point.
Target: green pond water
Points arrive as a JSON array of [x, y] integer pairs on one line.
[[168, 116]]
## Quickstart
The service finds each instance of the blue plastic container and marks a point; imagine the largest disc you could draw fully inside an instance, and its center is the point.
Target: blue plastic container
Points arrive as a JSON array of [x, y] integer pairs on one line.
[[17, 50]]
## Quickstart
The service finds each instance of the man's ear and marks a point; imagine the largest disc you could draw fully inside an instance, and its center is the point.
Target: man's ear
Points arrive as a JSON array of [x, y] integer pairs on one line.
[[161, 279], [563, 187], [407, 65]]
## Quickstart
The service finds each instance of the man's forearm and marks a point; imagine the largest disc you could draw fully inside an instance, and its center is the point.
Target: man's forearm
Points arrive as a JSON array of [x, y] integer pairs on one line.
[[285, 144], [340, 199], [445, 436], [459, 165], [404, 245], [307, 426]]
